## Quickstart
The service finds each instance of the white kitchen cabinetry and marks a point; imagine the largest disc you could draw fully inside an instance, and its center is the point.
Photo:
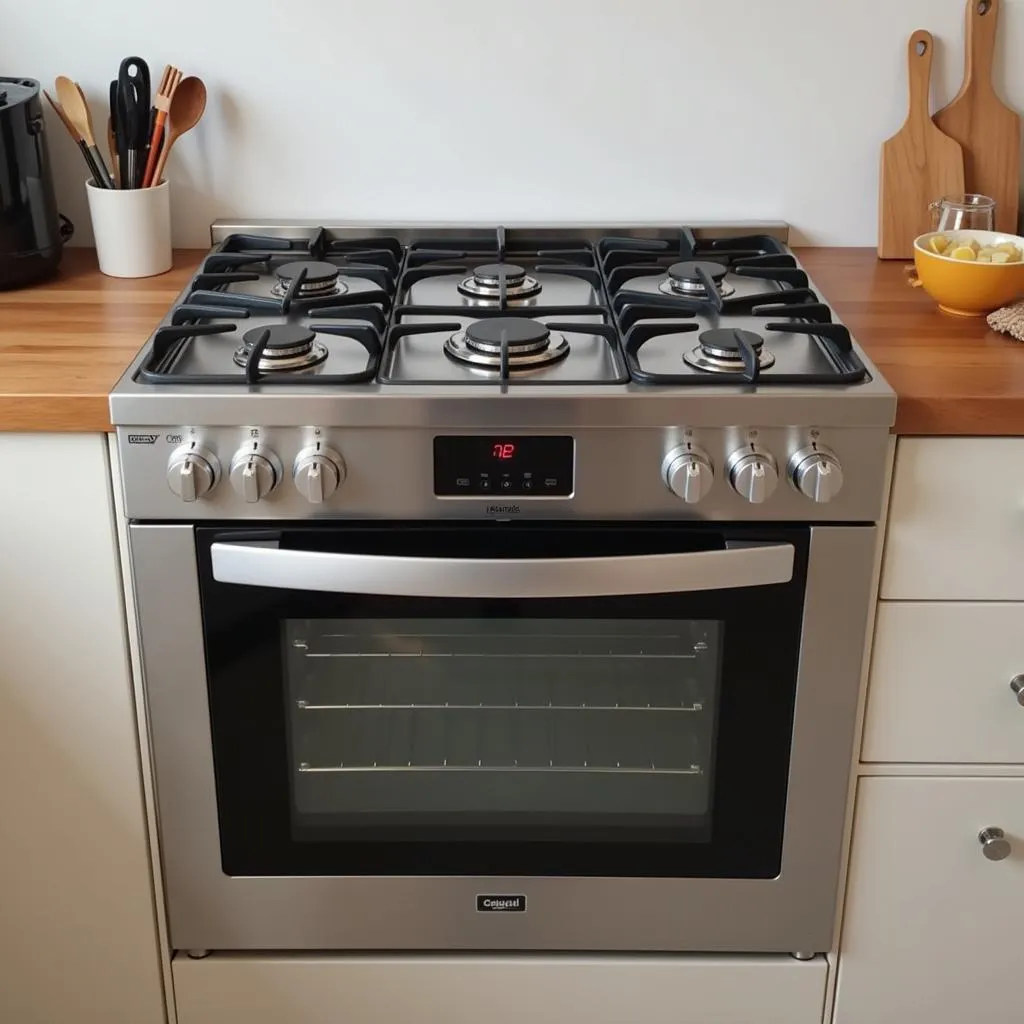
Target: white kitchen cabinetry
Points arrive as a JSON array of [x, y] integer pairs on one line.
[[78, 940], [933, 928], [956, 521], [940, 683], [550, 989], [931, 925]]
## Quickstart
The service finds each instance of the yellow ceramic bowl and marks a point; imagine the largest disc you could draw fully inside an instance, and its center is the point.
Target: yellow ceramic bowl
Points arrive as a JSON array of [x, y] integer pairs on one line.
[[964, 288]]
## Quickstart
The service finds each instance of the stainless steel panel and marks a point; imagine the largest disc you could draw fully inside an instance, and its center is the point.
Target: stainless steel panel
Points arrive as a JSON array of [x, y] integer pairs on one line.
[[618, 471], [261, 566], [795, 911]]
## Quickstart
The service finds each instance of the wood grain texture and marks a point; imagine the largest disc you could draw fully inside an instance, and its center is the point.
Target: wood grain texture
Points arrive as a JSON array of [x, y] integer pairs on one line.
[[65, 343], [919, 163], [953, 376], [987, 129]]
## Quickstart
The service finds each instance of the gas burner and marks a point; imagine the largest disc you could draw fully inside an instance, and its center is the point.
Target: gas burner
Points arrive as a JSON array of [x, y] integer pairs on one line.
[[321, 278], [683, 279], [487, 279], [289, 347], [721, 351], [530, 344]]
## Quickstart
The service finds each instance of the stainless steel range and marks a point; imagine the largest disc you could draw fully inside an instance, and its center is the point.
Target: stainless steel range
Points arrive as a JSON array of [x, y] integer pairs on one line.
[[502, 589]]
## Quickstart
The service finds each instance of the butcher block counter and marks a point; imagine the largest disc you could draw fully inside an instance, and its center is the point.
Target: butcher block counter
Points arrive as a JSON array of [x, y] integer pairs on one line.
[[64, 343]]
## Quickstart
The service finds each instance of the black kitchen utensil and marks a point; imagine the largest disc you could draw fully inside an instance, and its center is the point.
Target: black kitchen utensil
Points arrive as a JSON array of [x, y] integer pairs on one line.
[[132, 119]]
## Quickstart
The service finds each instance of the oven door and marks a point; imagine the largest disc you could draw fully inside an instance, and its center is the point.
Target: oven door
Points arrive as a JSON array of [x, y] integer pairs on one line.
[[495, 735]]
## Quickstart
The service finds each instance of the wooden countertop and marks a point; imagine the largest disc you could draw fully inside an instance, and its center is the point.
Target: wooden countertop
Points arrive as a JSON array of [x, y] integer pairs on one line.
[[64, 344]]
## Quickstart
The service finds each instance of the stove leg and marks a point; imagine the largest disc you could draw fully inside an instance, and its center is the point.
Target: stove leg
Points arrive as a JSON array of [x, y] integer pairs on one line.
[[795, 956], [198, 954]]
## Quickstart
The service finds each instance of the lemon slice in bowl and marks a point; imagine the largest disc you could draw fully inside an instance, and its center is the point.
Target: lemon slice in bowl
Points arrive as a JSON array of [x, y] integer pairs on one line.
[[962, 252], [938, 244]]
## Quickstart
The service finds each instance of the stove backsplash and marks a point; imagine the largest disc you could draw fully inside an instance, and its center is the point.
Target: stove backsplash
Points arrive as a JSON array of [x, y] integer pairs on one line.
[[582, 110]]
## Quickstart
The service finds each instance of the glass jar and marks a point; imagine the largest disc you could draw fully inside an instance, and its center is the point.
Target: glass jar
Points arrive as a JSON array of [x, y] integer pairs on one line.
[[964, 213]]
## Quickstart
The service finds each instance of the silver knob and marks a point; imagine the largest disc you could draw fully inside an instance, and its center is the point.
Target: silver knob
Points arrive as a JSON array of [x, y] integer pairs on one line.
[[994, 843], [753, 474], [688, 474], [255, 472], [318, 472], [1017, 685], [816, 473], [192, 471]]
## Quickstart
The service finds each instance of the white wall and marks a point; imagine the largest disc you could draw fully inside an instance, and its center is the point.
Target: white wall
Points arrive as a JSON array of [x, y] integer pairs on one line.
[[592, 110]]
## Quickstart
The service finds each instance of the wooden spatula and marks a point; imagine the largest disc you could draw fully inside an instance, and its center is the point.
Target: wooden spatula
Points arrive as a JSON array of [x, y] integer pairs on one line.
[[986, 128], [919, 163]]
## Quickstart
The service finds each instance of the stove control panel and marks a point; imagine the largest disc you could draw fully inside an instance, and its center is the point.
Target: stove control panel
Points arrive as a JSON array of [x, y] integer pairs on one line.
[[528, 466]]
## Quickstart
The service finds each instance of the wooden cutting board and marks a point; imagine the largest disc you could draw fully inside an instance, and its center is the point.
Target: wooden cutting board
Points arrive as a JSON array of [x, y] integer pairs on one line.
[[919, 163], [987, 128]]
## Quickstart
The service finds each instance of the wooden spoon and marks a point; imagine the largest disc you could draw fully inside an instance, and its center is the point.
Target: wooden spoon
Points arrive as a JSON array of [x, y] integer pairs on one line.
[[187, 106], [77, 111]]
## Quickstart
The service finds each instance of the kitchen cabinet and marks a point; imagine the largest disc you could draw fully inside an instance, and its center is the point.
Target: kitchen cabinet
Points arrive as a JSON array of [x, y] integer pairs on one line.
[[78, 939], [550, 989], [933, 927]]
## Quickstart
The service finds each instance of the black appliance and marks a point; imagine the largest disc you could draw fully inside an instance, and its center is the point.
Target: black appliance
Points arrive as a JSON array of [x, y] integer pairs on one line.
[[32, 232]]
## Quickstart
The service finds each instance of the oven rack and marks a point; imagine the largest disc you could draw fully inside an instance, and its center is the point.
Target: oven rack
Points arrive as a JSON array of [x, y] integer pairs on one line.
[[502, 739]]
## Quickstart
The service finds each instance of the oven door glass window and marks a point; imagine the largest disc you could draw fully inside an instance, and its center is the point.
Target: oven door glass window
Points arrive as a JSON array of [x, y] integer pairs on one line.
[[434, 726]]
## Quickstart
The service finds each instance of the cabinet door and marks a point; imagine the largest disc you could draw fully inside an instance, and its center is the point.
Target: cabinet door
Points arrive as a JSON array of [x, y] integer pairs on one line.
[[933, 928], [956, 521], [78, 939], [940, 683]]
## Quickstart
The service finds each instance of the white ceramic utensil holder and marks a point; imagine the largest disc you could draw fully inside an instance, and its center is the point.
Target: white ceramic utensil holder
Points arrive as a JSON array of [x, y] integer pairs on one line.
[[132, 227]]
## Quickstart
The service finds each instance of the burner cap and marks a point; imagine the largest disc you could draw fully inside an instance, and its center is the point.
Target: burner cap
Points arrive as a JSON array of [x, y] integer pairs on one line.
[[289, 347], [683, 277], [491, 274], [720, 351], [488, 278], [523, 335], [317, 271], [723, 341], [531, 344], [321, 278]]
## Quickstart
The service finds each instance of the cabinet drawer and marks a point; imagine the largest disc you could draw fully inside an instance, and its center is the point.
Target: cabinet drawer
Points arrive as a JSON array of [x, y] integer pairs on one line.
[[268, 989], [932, 928], [956, 521], [940, 684]]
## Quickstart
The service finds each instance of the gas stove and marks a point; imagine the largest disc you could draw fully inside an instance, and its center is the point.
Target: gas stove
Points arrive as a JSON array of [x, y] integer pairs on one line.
[[431, 372]]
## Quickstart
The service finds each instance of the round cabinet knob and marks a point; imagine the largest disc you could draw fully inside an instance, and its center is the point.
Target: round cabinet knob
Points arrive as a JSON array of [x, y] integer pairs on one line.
[[994, 843], [753, 474], [318, 472], [688, 474], [255, 472], [816, 473], [192, 471], [1017, 685]]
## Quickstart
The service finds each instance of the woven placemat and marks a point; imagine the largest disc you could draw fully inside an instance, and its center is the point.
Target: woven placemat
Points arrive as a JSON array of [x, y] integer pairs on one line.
[[1009, 320]]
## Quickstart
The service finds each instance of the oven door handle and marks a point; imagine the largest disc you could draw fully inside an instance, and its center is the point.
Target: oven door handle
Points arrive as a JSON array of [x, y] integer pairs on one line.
[[740, 565]]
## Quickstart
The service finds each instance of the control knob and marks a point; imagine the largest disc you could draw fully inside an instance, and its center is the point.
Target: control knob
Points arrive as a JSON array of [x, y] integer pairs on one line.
[[318, 472], [255, 472], [816, 473], [688, 473], [192, 471], [753, 474]]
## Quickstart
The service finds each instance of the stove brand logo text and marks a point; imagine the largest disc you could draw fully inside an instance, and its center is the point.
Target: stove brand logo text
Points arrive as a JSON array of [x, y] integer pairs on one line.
[[503, 510], [501, 904], [142, 438]]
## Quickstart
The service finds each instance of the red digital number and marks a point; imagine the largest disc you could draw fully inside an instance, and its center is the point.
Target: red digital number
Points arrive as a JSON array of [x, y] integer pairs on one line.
[[503, 451]]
